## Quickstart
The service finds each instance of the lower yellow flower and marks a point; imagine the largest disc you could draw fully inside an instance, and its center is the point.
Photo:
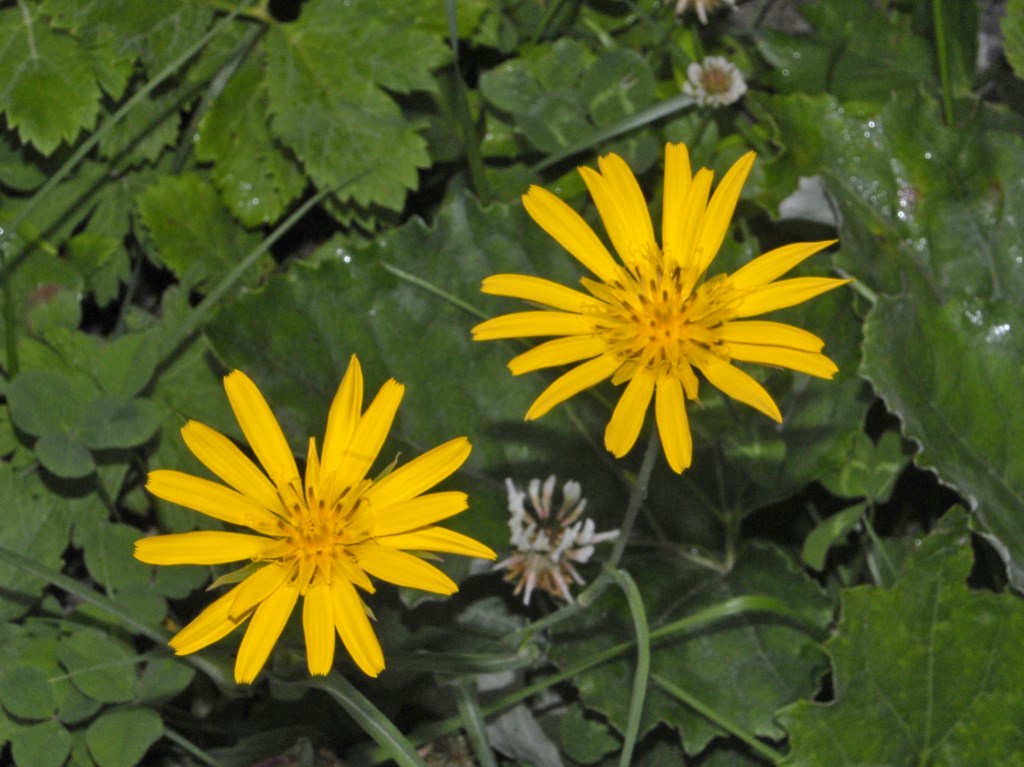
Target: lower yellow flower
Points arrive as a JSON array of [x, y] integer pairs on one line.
[[317, 539], [653, 319]]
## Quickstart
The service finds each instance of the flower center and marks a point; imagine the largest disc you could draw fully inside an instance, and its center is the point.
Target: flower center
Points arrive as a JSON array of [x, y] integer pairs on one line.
[[316, 533], [716, 80], [654, 317]]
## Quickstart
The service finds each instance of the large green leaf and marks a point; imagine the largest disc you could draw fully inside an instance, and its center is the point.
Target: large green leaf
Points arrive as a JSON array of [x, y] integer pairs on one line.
[[923, 207], [1013, 31], [326, 74], [48, 91], [295, 337], [953, 374], [745, 669], [927, 672]]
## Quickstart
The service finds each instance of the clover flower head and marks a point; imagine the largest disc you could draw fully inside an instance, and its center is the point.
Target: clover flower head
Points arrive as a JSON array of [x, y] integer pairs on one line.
[[318, 536], [714, 82], [548, 543], [652, 319], [702, 7]]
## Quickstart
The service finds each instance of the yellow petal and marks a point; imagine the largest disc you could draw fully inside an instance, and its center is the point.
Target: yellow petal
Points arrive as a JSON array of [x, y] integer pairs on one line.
[[526, 324], [369, 435], [677, 181], [210, 625], [720, 210], [401, 569], [741, 387], [420, 474], [683, 250], [569, 229], [318, 626], [620, 202], [354, 628], [673, 423], [202, 547], [536, 289], [438, 539], [346, 408], [262, 634], [257, 587], [560, 351], [775, 263], [628, 418], [779, 295], [210, 498], [811, 363], [260, 427], [221, 456], [418, 512], [576, 380], [770, 334]]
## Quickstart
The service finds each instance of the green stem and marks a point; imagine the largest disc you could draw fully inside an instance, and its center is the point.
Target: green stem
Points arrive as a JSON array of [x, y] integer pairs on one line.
[[943, 55], [883, 555], [637, 497], [643, 662], [473, 720], [189, 747], [713, 716], [367, 716]]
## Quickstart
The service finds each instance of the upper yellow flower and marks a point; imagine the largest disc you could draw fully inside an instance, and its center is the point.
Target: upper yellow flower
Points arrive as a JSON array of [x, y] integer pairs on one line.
[[316, 539], [653, 318]]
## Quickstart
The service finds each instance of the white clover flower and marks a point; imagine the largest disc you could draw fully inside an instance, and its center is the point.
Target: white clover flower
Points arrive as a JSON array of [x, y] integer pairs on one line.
[[702, 7], [547, 544], [715, 82]]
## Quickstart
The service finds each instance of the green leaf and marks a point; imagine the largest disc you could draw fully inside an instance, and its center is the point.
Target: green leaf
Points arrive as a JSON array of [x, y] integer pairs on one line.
[[326, 75], [61, 453], [748, 667], [923, 207], [256, 179], [1012, 27], [163, 679], [194, 234], [35, 524], [99, 665], [118, 422], [827, 533], [867, 469], [121, 737], [44, 401], [49, 93], [295, 337], [585, 740], [619, 84], [46, 744], [25, 692], [949, 373], [927, 672]]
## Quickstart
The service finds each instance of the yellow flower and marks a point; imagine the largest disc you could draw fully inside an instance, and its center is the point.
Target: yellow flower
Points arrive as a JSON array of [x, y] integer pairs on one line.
[[653, 318], [316, 539]]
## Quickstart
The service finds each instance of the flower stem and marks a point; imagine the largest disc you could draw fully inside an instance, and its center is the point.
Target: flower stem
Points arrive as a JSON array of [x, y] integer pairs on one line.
[[637, 497]]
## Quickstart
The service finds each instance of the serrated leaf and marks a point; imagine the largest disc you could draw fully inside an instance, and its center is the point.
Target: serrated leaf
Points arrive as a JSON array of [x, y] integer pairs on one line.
[[325, 77], [145, 132], [99, 665], [949, 373], [927, 672], [256, 179], [48, 92], [120, 738], [194, 234], [748, 667]]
